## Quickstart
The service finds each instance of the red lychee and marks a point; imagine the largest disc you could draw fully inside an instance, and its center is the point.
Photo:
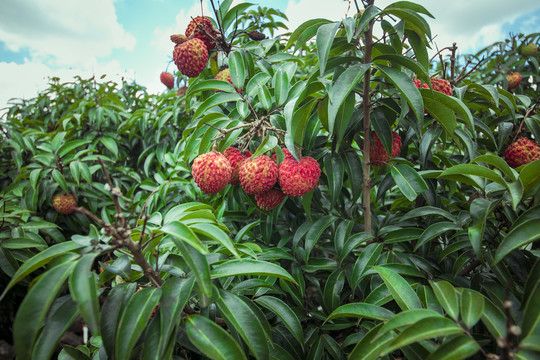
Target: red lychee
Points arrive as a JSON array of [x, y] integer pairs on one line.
[[419, 84], [64, 203], [297, 178], [270, 199], [167, 79], [522, 152], [211, 172], [377, 153], [190, 57], [199, 33], [514, 80], [258, 175], [235, 158], [441, 86]]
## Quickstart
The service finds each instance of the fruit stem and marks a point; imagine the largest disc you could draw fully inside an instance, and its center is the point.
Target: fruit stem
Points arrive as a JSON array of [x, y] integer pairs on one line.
[[366, 179]]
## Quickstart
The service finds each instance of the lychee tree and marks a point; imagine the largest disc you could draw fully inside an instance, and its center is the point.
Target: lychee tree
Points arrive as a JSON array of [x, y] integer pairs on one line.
[[383, 206]]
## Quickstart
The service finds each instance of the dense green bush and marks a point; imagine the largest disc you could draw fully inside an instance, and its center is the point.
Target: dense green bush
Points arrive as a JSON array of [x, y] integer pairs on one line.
[[433, 256]]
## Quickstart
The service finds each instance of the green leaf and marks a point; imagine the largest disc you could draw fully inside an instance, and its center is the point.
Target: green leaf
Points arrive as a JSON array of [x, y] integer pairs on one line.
[[494, 319], [265, 98], [325, 39], [472, 307], [520, 235], [39, 260], [499, 164], [457, 106], [216, 234], [435, 230], [400, 289], [237, 69], [447, 296], [409, 182], [180, 232], [310, 27], [427, 328], [215, 100], [198, 264], [407, 88], [251, 267], [418, 69], [457, 348], [369, 347], [252, 88], [442, 113], [268, 143], [472, 170], [406, 318], [315, 232], [59, 178], [112, 311], [530, 324], [110, 144], [62, 314], [212, 340], [134, 320], [35, 306], [83, 289], [285, 313], [368, 257], [361, 310], [530, 175], [281, 87], [212, 84], [244, 321], [341, 89], [480, 209]]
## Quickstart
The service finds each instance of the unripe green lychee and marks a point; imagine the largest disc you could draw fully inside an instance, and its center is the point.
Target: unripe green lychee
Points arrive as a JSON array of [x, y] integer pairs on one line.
[[297, 178], [193, 29], [190, 57], [377, 153], [258, 175], [522, 152], [64, 203], [529, 49], [167, 79], [211, 172], [235, 158], [270, 199]]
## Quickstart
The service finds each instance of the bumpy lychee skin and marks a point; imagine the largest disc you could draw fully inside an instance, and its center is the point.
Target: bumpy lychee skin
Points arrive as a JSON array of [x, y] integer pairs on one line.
[[297, 178], [441, 86], [197, 33], [377, 153], [270, 199], [190, 57], [235, 158], [167, 79], [522, 152], [258, 175], [211, 172], [514, 80], [64, 203]]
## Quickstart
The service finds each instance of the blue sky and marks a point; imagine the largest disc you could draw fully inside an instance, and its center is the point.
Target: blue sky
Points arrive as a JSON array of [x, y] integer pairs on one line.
[[130, 38]]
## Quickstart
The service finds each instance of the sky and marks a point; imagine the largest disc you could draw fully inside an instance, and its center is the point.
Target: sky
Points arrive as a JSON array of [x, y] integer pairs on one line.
[[129, 39]]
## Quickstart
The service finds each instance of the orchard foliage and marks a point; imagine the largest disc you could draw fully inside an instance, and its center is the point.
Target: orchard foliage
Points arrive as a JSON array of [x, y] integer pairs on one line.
[[433, 255]]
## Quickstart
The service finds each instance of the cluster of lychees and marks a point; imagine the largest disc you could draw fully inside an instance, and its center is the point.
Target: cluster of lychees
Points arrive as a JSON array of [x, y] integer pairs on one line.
[[261, 176], [191, 51]]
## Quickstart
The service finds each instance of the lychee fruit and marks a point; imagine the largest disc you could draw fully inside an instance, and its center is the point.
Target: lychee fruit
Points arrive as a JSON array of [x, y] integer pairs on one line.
[[522, 152], [377, 153], [167, 79], [235, 158], [178, 38], [64, 203], [190, 57], [441, 86], [258, 175], [211, 172], [270, 199], [529, 49], [297, 178], [225, 75], [198, 33], [514, 80]]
